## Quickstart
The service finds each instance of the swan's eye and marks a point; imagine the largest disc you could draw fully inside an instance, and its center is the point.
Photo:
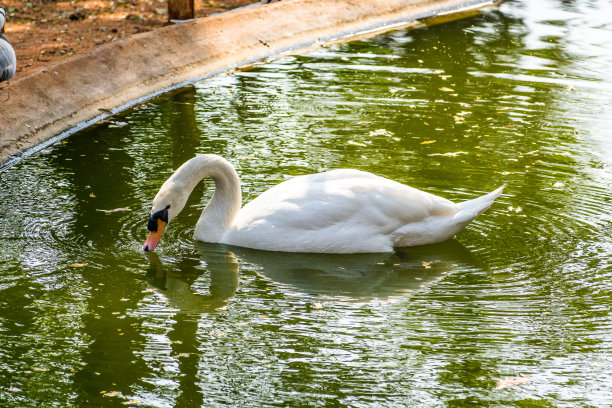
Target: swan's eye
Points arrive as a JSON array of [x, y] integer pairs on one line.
[[159, 215]]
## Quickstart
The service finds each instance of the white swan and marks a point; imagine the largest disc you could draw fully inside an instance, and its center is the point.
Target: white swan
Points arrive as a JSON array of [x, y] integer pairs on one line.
[[339, 211]]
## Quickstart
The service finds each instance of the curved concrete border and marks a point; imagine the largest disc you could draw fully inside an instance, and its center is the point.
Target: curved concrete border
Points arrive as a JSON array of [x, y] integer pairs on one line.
[[55, 101]]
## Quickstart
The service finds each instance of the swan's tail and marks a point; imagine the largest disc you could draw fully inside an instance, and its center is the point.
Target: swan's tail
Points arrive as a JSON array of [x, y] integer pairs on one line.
[[468, 210]]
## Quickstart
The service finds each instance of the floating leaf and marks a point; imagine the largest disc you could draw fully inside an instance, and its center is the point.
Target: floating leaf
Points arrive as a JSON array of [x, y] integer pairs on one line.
[[512, 381], [92, 195], [351, 142], [427, 265], [114, 210], [454, 154], [445, 89], [428, 142], [381, 132], [77, 265], [449, 154]]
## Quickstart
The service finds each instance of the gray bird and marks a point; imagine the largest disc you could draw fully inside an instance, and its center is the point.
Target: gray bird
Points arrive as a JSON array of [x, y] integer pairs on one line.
[[8, 59]]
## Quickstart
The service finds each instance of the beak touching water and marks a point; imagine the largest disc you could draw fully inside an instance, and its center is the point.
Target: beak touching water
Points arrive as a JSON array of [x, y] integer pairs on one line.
[[157, 224], [154, 236]]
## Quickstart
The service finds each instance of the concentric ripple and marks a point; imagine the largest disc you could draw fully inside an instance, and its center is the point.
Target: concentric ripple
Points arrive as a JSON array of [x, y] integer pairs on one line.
[[513, 312]]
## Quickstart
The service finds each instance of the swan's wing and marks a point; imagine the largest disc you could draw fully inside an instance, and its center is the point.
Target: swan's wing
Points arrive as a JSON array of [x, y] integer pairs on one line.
[[336, 206], [340, 196]]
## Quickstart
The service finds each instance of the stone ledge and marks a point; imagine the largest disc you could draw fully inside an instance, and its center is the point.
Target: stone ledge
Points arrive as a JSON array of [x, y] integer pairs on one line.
[[53, 102]]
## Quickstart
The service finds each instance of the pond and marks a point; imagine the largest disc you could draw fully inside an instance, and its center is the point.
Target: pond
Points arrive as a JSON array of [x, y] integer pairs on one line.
[[515, 311]]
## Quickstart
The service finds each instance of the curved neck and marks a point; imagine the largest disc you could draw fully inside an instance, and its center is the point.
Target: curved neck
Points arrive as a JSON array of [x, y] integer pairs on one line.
[[226, 201]]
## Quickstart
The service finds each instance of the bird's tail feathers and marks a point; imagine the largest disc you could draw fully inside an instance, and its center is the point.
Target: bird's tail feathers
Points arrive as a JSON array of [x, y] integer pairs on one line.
[[473, 208]]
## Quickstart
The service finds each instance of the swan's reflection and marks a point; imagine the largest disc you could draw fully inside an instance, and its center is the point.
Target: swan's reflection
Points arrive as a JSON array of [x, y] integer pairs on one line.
[[347, 277], [176, 282], [358, 276]]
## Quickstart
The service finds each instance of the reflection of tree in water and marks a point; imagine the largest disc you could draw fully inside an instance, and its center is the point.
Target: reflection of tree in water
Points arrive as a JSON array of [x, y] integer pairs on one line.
[[112, 359], [17, 318], [183, 128], [99, 175]]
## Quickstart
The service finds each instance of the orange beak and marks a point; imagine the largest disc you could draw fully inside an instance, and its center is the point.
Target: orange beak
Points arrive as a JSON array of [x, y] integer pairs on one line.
[[154, 236]]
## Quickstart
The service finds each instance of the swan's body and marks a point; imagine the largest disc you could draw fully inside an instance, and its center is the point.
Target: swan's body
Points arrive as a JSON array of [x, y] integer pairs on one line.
[[339, 211]]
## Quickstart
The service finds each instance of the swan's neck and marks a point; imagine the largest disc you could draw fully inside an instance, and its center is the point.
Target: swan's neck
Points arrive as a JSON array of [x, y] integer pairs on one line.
[[226, 201]]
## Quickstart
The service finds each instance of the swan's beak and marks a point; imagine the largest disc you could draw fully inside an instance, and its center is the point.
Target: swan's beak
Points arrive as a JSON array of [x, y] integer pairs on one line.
[[154, 236]]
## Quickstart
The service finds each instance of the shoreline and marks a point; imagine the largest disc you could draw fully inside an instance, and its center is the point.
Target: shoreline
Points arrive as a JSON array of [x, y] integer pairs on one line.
[[52, 102]]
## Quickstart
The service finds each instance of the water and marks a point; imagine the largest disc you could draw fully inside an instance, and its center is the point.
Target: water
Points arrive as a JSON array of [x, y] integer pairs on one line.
[[513, 312]]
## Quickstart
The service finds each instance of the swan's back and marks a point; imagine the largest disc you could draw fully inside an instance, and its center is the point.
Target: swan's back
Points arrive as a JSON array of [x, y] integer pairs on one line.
[[336, 211]]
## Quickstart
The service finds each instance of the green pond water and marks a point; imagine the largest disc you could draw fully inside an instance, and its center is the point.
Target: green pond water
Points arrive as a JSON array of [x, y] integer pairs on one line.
[[513, 312]]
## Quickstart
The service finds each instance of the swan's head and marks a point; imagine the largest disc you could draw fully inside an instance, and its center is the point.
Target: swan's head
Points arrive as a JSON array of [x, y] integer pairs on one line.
[[156, 226], [168, 202]]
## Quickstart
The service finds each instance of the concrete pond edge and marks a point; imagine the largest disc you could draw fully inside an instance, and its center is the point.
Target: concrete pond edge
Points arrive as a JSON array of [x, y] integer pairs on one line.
[[53, 102]]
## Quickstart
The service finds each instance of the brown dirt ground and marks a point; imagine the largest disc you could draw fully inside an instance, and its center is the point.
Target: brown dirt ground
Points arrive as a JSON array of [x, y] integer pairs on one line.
[[43, 32]]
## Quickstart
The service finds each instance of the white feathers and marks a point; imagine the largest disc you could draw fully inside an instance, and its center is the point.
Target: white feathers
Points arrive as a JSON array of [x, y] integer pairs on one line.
[[340, 211]]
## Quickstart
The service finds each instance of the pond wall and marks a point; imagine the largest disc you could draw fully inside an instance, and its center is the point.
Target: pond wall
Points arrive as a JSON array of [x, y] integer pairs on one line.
[[52, 102]]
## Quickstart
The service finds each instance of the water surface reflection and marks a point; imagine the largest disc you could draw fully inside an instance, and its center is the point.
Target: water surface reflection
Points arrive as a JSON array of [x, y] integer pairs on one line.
[[177, 281], [517, 96], [360, 277]]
